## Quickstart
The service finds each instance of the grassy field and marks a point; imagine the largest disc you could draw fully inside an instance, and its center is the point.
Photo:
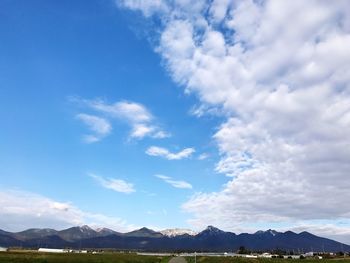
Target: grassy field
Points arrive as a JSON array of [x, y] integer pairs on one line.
[[33, 257]]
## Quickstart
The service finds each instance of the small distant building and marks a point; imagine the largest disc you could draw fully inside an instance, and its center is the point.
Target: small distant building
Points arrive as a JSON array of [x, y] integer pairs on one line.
[[309, 254], [3, 249], [266, 255], [52, 250], [245, 256]]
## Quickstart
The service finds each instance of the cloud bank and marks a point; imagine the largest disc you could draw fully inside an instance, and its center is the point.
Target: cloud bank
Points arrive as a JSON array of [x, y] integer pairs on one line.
[[23, 210], [279, 72]]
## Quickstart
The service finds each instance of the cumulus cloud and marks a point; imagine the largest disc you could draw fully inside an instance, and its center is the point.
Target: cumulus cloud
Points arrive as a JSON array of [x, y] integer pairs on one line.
[[99, 126], [279, 72], [140, 119], [165, 153], [174, 183], [114, 184], [148, 7], [22, 210]]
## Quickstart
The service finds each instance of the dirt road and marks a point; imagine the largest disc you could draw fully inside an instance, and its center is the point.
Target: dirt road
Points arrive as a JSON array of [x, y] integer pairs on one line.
[[178, 260]]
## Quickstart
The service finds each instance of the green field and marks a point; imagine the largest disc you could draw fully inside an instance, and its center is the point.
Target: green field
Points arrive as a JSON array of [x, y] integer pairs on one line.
[[33, 257]]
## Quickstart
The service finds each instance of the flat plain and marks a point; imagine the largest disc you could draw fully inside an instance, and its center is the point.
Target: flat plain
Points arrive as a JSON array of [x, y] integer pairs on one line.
[[34, 257]]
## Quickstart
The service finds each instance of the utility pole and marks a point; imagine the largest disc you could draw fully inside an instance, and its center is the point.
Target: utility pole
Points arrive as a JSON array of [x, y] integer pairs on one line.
[[195, 257]]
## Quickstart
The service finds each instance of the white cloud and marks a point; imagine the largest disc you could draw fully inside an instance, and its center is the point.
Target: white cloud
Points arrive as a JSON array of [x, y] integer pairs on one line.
[[203, 156], [218, 10], [161, 135], [131, 111], [114, 184], [140, 119], [99, 126], [174, 183], [22, 210], [148, 7], [162, 152], [141, 130], [205, 110], [284, 89]]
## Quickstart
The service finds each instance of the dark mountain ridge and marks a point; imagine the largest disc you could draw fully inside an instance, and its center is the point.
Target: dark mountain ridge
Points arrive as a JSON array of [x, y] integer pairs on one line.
[[144, 239], [143, 232]]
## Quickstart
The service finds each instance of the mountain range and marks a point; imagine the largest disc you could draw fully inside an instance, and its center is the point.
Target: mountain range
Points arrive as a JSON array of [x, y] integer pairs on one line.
[[144, 239]]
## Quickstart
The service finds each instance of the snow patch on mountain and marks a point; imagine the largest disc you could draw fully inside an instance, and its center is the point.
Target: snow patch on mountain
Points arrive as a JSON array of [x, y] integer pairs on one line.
[[270, 231], [177, 232], [85, 228]]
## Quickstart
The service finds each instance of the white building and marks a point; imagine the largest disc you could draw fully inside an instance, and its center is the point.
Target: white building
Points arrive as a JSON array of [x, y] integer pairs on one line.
[[265, 255], [52, 250], [309, 254], [3, 249]]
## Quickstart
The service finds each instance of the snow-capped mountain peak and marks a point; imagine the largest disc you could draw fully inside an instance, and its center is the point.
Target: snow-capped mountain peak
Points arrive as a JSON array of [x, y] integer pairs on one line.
[[102, 231], [212, 228], [85, 228], [270, 231], [177, 232]]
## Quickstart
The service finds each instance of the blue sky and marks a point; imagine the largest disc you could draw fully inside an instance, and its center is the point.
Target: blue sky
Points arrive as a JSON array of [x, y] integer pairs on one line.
[[175, 114], [57, 54]]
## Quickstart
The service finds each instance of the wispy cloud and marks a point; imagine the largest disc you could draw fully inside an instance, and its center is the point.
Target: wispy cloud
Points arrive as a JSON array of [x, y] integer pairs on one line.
[[165, 153], [117, 185], [161, 134], [174, 183], [203, 156], [130, 111], [140, 119], [99, 126]]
